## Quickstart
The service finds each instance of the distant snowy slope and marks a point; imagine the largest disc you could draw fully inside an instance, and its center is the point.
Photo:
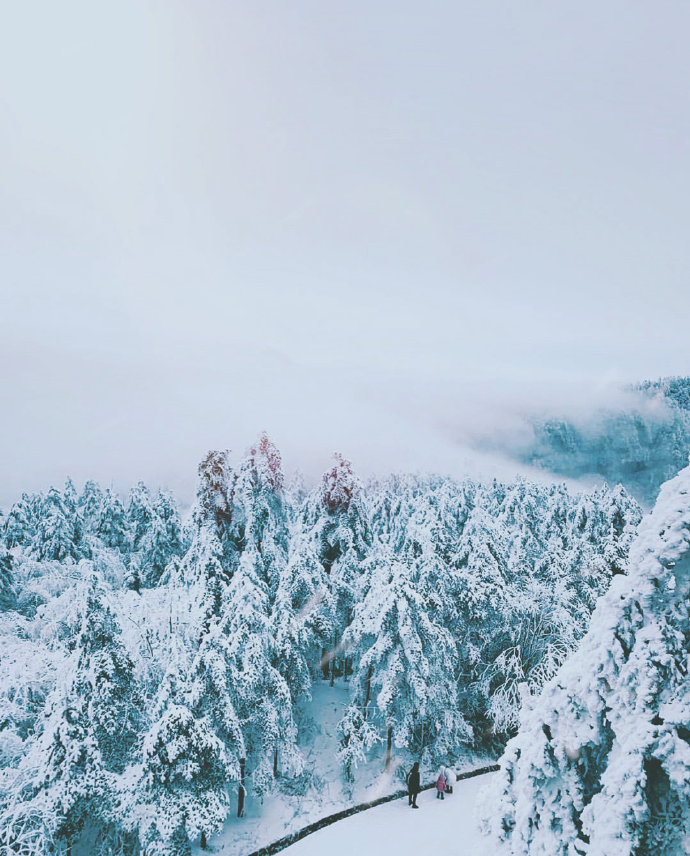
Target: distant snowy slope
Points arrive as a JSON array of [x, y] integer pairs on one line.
[[639, 438], [448, 826]]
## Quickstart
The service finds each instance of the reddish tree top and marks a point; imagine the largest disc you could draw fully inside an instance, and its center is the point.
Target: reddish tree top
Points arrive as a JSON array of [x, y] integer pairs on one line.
[[266, 463], [338, 485]]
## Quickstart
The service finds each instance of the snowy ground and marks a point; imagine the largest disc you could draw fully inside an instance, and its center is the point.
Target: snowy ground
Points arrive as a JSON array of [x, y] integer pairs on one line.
[[447, 826], [280, 814]]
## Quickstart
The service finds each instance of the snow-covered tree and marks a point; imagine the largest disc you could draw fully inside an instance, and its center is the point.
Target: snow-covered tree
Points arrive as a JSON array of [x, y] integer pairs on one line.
[[87, 737], [299, 614], [259, 516], [214, 491], [89, 504], [8, 590], [260, 694], [105, 677], [182, 789], [160, 542], [111, 527], [70, 771], [57, 535], [139, 515], [70, 787], [341, 530], [235, 564], [405, 677], [20, 524], [600, 765], [357, 736]]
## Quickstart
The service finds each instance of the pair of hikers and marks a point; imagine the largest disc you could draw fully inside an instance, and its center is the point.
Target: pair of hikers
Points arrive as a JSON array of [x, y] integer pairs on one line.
[[444, 782]]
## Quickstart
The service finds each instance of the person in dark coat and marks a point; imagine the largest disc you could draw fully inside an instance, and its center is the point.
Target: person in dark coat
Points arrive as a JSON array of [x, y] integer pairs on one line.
[[413, 785]]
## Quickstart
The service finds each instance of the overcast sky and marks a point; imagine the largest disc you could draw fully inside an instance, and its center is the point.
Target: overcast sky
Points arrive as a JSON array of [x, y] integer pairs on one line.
[[339, 221]]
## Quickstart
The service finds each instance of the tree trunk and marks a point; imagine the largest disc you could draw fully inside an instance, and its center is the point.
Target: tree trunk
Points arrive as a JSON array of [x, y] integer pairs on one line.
[[368, 693], [389, 748], [203, 842], [325, 663], [335, 645], [240, 790], [275, 764]]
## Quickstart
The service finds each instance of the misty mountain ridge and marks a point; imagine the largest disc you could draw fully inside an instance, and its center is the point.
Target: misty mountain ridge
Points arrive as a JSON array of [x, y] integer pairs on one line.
[[639, 442]]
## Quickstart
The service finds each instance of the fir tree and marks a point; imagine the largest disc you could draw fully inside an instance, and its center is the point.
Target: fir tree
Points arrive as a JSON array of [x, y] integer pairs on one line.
[[405, 677], [182, 790], [89, 733], [343, 536], [139, 515], [105, 678], [214, 492], [71, 785], [20, 524], [8, 593], [111, 527], [259, 519], [260, 695], [90, 504], [56, 536], [299, 616]]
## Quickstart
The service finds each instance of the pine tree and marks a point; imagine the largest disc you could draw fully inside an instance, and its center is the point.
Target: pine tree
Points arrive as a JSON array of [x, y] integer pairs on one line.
[[139, 515], [259, 519], [479, 582], [111, 527], [182, 790], [205, 570], [90, 504], [88, 735], [600, 762], [161, 542], [20, 525], [236, 563], [405, 677], [71, 785], [300, 614], [166, 509], [356, 738], [342, 532], [105, 677], [56, 536], [8, 592], [260, 695], [214, 492], [154, 552]]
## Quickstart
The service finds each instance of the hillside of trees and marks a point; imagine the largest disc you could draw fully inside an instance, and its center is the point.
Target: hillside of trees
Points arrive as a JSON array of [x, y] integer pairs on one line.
[[639, 447], [155, 671]]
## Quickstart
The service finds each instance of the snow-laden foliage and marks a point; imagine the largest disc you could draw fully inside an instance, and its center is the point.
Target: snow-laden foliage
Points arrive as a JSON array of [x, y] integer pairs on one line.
[[8, 593], [601, 763], [180, 789], [154, 671], [407, 662]]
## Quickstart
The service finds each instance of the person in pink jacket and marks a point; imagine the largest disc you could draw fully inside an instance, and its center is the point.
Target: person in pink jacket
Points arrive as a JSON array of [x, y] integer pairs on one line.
[[441, 785]]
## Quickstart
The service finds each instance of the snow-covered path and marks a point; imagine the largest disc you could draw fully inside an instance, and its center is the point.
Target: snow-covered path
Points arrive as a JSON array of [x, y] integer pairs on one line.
[[448, 826]]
